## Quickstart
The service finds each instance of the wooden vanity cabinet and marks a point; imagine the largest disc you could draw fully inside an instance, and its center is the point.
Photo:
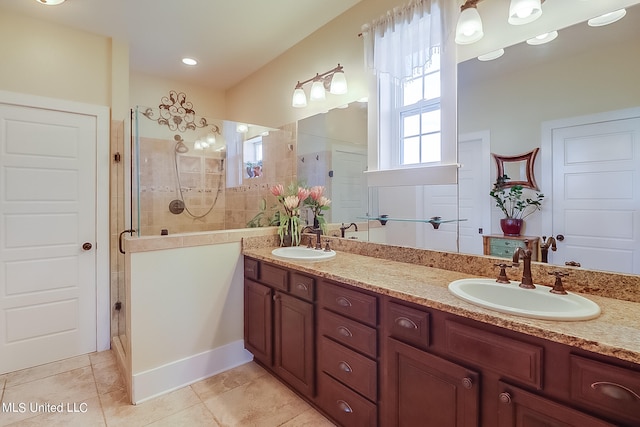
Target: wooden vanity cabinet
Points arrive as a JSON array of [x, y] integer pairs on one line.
[[365, 359], [279, 323]]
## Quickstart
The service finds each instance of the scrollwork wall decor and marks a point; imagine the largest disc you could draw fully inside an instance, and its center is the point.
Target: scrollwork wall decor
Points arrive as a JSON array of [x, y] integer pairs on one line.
[[178, 114]]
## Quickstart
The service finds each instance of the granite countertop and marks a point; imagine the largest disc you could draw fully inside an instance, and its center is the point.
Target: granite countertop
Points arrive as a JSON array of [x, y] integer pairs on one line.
[[616, 332]]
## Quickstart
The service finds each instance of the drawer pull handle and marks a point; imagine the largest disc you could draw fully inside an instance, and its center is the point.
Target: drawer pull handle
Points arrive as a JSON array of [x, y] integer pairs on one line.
[[504, 398], [345, 367], [344, 406], [406, 323], [467, 383], [344, 302], [249, 270], [344, 331], [615, 391], [302, 287]]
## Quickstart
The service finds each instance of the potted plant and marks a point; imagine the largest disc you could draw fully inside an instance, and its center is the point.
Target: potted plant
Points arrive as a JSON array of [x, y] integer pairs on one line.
[[291, 199], [318, 203], [514, 204]]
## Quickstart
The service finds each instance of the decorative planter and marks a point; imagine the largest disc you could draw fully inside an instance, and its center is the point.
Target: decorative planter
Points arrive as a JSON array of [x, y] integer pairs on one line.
[[511, 226]]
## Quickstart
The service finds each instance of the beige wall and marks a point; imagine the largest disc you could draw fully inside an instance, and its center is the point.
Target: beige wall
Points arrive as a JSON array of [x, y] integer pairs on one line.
[[49, 60], [265, 96]]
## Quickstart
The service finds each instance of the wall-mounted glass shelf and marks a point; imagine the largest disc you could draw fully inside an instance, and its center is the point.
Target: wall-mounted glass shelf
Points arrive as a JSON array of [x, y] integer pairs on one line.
[[434, 220]]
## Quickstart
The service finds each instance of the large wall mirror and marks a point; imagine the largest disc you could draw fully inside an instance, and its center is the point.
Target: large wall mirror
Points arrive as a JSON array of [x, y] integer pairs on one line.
[[507, 103]]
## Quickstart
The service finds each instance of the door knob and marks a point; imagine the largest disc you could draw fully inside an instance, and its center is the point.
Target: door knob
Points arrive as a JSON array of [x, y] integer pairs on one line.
[[86, 246], [560, 237]]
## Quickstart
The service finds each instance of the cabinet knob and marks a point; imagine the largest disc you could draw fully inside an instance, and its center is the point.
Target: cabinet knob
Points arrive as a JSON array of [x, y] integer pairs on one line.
[[467, 383], [345, 366], [344, 302], [615, 391], [504, 398], [405, 322], [302, 287], [344, 406]]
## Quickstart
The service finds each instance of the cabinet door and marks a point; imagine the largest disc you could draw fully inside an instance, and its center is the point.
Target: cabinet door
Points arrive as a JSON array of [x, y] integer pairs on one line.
[[294, 342], [425, 390], [523, 409], [257, 321]]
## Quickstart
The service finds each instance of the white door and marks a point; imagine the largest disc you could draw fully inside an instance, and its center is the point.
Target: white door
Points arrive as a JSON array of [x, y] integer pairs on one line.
[[47, 214], [596, 195], [474, 183]]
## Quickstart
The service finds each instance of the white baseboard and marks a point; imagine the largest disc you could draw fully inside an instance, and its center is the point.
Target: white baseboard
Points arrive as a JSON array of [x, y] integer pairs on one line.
[[172, 376]]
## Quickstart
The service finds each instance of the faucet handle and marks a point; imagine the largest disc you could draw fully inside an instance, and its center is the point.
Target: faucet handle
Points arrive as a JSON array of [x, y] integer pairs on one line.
[[558, 288], [502, 277], [326, 247]]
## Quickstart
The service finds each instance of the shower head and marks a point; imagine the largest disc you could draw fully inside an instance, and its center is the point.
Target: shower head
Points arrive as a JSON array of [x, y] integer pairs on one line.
[[180, 147]]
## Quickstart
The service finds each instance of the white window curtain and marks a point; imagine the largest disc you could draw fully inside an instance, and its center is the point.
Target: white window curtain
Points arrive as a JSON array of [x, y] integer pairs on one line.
[[404, 39], [396, 46]]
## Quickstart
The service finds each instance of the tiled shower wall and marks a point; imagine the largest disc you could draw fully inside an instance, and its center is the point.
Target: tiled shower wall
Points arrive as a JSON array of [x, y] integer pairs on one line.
[[278, 167]]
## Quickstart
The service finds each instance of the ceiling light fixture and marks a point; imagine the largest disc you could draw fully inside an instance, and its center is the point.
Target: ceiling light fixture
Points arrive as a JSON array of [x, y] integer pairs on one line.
[[491, 55], [607, 18], [50, 2], [189, 61], [543, 38], [333, 81]]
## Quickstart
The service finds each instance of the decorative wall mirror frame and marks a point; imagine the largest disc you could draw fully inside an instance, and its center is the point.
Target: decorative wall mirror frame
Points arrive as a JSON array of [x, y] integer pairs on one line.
[[518, 168]]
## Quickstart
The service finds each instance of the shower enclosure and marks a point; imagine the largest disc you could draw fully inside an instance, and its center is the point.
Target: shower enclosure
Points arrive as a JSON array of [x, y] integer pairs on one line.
[[178, 174]]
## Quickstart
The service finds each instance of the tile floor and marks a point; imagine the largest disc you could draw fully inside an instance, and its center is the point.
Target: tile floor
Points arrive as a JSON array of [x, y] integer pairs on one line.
[[91, 392]]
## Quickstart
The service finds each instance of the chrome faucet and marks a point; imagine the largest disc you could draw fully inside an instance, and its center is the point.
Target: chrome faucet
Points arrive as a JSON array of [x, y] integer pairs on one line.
[[344, 228], [525, 255], [317, 232]]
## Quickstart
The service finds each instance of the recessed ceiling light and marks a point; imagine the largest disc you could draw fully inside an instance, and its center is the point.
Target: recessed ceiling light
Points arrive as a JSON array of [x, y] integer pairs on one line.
[[543, 38], [491, 55], [50, 2], [607, 18], [189, 61]]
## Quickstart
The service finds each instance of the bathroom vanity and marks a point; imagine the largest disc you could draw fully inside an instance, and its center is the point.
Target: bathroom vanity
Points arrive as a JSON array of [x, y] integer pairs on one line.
[[375, 342]]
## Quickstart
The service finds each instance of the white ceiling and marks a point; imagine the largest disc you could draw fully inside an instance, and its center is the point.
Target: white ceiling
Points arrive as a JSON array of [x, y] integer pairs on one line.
[[231, 39]]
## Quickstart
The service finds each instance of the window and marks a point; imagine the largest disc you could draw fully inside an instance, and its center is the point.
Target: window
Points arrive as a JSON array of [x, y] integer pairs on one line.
[[252, 155], [418, 115]]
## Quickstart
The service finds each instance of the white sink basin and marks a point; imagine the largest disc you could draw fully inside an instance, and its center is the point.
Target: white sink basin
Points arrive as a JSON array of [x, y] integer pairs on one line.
[[302, 253], [536, 303]]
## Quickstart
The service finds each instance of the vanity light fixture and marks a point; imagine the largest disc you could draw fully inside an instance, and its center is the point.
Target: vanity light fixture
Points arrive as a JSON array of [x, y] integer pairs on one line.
[[50, 2], [524, 11], [607, 18], [333, 81], [543, 38], [469, 26]]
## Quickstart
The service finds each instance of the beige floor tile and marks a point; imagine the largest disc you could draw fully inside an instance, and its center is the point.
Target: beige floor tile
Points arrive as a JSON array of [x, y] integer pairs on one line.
[[102, 357], [195, 416], [309, 418], [261, 402], [118, 410], [43, 371], [228, 380], [108, 376], [73, 387], [85, 414]]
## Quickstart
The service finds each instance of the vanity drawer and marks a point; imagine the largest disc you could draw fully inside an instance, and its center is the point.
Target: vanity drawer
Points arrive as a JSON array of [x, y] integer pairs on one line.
[[520, 361], [607, 389], [350, 368], [302, 286], [408, 325], [274, 276], [348, 332], [344, 405], [251, 268], [348, 302]]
